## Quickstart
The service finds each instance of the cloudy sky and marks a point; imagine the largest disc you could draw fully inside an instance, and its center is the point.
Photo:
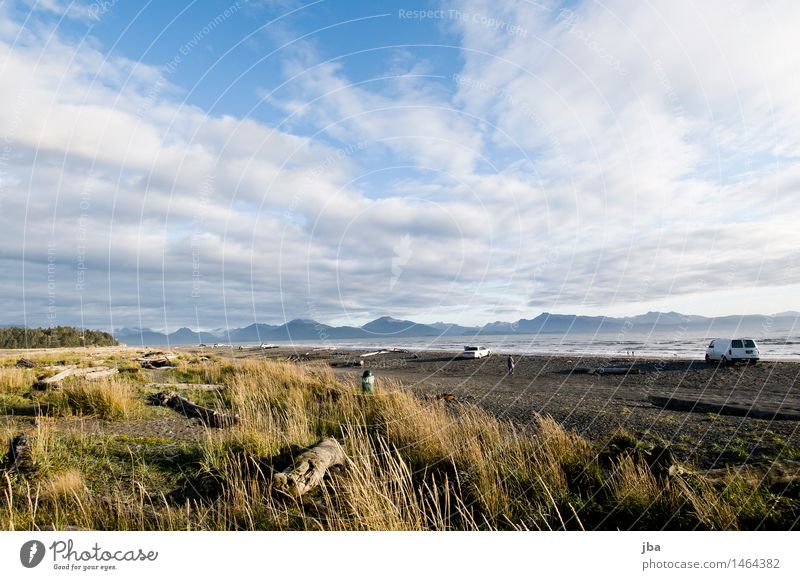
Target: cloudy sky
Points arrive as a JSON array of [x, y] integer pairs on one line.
[[214, 164]]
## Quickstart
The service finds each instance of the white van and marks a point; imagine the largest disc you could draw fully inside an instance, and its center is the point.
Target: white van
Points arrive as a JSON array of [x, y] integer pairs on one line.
[[730, 350], [475, 352]]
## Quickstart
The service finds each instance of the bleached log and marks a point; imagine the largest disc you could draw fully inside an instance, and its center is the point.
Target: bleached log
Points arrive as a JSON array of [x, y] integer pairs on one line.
[[310, 467], [377, 352], [187, 386], [89, 373], [99, 373], [192, 410], [59, 368]]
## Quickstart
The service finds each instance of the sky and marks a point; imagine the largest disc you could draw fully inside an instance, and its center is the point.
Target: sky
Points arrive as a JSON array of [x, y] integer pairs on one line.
[[212, 164]]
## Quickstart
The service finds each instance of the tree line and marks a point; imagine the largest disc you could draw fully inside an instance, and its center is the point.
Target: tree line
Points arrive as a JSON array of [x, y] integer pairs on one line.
[[56, 336]]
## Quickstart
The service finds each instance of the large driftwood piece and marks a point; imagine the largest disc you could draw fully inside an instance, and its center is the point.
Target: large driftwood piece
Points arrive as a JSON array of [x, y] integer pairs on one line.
[[348, 364], [377, 352], [310, 467], [19, 454], [99, 373], [89, 373], [156, 360], [59, 368], [192, 410], [187, 386], [156, 363]]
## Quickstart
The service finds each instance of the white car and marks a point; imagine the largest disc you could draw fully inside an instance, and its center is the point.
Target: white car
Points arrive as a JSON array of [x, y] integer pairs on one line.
[[731, 350], [475, 352]]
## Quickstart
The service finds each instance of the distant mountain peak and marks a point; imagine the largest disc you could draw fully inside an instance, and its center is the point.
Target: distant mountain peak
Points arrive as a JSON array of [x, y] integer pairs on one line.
[[389, 327]]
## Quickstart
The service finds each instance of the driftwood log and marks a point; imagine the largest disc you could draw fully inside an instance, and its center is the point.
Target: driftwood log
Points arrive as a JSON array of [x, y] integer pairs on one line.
[[446, 397], [156, 360], [89, 373], [59, 368], [348, 364], [310, 467], [377, 352], [606, 370], [187, 386], [192, 410], [19, 454]]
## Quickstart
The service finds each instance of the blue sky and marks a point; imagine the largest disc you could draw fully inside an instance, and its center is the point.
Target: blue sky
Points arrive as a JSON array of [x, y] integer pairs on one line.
[[214, 164]]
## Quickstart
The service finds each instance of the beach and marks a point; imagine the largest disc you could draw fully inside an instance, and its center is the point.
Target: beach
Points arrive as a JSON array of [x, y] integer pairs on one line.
[[746, 414], [193, 436]]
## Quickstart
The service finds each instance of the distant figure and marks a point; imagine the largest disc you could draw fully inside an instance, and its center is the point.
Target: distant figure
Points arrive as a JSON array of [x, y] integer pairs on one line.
[[368, 382], [510, 363]]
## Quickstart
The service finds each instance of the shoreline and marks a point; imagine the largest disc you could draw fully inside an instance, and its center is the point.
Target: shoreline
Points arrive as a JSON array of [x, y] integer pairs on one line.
[[353, 351]]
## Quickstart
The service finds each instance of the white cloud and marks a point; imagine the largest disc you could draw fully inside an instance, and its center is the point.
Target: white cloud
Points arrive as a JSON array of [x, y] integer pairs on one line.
[[660, 122]]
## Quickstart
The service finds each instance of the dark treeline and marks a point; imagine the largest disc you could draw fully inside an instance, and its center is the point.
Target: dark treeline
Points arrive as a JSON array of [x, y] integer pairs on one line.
[[53, 337]]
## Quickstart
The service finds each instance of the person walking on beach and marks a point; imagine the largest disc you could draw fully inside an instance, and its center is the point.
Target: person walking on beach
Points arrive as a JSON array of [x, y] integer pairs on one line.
[[510, 363]]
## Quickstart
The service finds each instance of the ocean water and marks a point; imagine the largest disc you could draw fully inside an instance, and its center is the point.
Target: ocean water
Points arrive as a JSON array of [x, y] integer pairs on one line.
[[773, 345]]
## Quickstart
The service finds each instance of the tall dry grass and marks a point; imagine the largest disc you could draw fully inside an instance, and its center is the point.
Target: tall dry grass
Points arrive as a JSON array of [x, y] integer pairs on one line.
[[108, 399], [15, 380]]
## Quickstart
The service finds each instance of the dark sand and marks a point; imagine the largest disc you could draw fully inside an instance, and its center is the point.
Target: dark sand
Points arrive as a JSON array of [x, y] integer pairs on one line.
[[597, 406]]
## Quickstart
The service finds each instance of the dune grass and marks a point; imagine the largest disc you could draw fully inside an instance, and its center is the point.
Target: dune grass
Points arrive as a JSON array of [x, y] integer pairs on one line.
[[107, 399], [412, 465]]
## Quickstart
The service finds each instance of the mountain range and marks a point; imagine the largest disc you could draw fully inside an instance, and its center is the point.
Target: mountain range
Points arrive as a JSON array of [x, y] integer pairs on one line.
[[387, 327]]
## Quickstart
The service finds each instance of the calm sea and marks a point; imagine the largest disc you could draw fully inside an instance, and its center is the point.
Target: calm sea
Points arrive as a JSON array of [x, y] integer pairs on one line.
[[773, 345]]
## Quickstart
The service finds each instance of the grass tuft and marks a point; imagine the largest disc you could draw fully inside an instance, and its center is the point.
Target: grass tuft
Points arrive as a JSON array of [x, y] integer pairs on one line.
[[107, 399]]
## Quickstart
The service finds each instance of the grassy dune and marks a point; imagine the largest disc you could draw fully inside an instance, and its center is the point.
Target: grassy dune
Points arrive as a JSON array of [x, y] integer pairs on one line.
[[412, 464]]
